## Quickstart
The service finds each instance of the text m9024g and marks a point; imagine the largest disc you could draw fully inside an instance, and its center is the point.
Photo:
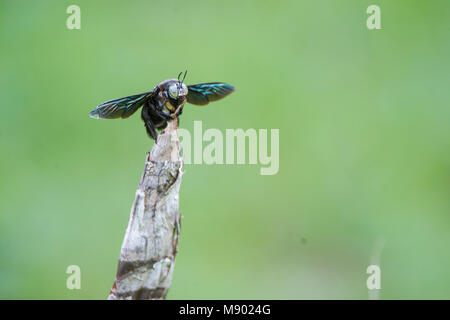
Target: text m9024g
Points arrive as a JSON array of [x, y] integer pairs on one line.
[[246, 309]]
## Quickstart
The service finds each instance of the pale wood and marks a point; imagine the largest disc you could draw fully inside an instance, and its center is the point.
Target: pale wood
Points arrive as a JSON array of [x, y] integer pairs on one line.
[[147, 257]]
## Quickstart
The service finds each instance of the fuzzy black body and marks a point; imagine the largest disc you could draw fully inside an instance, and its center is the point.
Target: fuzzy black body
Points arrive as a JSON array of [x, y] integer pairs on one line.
[[164, 103], [161, 107]]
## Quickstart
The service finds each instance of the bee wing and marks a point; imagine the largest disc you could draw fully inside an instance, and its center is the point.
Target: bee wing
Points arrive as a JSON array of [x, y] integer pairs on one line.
[[120, 108], [203, 93]]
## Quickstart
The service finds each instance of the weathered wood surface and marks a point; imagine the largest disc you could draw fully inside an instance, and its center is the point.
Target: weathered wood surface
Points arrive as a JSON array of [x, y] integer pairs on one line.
[[147, 257]]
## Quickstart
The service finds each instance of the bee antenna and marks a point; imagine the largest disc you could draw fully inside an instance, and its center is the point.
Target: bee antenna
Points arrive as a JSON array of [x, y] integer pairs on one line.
[[179, 75], [184, 77]]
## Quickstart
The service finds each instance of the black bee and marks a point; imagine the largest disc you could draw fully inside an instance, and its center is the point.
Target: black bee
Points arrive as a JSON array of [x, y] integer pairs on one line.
[[165, 102]]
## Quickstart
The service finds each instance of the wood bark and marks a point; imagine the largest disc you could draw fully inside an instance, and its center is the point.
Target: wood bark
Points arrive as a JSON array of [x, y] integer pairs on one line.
[[147, 257]]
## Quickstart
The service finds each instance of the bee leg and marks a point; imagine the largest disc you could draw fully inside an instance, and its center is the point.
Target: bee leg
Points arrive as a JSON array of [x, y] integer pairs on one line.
[[151, 130], [163, 116], [149, 127], [161, 126], [157, 111]]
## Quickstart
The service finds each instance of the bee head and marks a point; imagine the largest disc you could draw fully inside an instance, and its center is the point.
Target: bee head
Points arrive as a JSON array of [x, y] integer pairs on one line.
[[177, 89]]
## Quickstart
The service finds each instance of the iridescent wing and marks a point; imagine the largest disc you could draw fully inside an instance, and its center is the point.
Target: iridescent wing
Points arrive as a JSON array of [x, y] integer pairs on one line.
[[203, 93], [120, 108]]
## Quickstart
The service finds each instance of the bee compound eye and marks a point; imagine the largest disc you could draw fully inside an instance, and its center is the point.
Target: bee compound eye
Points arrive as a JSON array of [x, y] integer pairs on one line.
[[173, 91], [184, 89]]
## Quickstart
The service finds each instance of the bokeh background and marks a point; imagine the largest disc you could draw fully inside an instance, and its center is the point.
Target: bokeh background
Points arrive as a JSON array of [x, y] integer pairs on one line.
[[364, 146]]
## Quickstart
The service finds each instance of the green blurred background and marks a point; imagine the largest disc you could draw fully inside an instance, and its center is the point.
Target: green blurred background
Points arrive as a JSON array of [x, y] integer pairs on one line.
[[364, 145]]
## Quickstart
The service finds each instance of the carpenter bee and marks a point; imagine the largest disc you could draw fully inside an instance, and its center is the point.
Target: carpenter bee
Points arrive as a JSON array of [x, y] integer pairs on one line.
[[164, 103]]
